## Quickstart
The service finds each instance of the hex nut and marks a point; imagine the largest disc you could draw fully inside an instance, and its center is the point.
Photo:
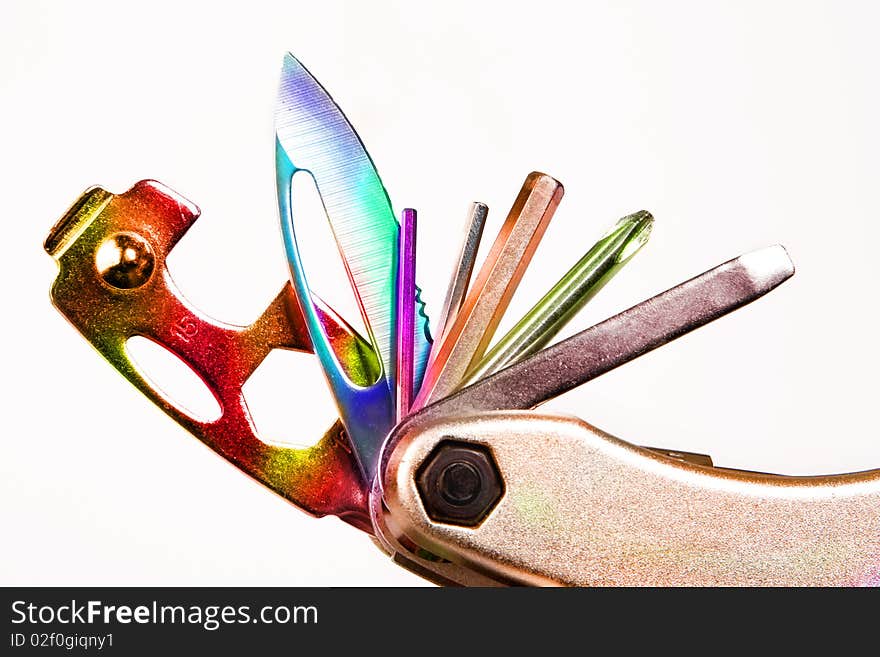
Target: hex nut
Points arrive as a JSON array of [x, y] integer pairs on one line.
[[459, 483]]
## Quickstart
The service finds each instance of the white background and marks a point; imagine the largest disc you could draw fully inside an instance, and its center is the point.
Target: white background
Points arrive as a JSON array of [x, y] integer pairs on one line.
[[737, 124]]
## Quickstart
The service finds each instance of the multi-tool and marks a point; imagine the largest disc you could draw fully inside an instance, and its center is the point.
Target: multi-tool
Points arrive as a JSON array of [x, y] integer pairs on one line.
[[438, 453]]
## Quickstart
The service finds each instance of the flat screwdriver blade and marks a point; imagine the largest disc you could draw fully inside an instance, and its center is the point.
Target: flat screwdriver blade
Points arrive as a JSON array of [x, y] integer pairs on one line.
[[624, 337]]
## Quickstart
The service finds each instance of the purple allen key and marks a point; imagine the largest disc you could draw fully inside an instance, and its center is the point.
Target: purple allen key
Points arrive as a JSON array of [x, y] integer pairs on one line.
[[406, 311]]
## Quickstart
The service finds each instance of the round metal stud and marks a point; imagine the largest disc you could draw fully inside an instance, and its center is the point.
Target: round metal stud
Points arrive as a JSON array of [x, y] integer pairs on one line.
[[125, 261]]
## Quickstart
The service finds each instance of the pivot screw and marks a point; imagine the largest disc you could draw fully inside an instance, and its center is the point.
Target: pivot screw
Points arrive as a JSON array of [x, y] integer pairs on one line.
[[459, 483]]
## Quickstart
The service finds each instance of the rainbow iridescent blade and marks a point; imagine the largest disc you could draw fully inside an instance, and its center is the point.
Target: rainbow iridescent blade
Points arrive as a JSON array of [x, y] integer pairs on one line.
[[314, 137]]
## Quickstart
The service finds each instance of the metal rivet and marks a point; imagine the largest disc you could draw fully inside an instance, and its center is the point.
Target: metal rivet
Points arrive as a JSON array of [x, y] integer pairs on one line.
[[125, 261]]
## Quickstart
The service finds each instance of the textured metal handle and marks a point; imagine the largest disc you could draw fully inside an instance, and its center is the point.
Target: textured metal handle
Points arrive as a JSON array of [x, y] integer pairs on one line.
[[581, 507]]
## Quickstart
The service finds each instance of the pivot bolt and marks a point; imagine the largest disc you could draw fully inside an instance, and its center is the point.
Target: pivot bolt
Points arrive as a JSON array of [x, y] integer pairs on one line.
[[459, 483]]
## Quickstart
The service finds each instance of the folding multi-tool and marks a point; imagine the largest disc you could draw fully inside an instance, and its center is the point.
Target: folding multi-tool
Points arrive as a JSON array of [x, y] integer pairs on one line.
[[439, 453]]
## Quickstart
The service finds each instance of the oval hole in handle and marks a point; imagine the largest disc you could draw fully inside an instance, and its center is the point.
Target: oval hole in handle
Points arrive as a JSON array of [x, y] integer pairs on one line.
[[172, 378]]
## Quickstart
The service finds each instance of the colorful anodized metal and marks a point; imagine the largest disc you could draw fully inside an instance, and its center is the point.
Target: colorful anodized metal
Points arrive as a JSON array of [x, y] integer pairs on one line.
[[314, 138], [112, 299], [406, 315], [569, 504]]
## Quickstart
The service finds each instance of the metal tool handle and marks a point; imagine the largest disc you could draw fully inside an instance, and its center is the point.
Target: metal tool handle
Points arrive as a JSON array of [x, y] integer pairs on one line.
[[580, 507], [138, 297], [625, 336]]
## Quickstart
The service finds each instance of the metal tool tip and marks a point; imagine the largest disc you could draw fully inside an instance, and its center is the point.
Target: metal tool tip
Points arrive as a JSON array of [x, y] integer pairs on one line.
[[643, 219], [536, 178], [288, 63], [637, 227], [769, 266]]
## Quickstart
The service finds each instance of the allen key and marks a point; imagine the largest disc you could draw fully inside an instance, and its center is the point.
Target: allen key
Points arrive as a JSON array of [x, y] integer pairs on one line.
[[406, 312], [461, 275], [499, 276]]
